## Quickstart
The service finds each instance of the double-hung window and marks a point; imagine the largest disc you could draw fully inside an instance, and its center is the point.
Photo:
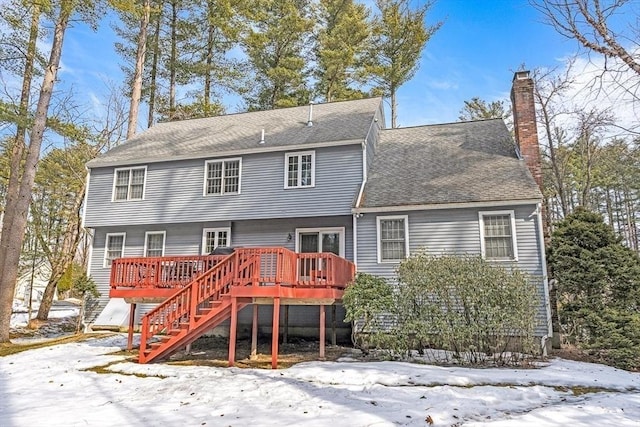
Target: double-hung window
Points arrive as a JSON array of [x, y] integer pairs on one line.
[[299, 169], [393, 238], [114, 247], [154, 243], [498, 235], [222, 176], [214, 237], [128, 183]]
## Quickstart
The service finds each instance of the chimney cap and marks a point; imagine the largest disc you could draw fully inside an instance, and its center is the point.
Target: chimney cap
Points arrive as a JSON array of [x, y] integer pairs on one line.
[[521, 75]]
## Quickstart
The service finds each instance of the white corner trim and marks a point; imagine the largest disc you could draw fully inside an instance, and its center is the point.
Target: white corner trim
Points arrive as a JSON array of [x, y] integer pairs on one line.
[[86, 198], [545, 278]]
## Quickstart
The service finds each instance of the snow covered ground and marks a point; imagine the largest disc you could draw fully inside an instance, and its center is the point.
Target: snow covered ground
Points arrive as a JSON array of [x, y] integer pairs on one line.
[[54, 386]]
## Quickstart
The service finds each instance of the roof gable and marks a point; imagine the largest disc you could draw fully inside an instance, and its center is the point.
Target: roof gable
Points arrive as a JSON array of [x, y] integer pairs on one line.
[[449, 163], [241, 132]]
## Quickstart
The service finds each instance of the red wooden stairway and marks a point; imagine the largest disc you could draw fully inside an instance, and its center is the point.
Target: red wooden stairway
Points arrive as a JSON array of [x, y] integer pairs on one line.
[[197, 293], [198, 307]]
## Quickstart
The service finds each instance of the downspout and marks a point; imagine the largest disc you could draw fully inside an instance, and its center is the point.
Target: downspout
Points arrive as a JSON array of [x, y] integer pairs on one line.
[[355, 240], [356, 215], [545, 278]]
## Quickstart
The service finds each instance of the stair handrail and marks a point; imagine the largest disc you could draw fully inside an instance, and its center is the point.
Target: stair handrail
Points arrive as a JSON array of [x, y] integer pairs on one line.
[[182, 303]]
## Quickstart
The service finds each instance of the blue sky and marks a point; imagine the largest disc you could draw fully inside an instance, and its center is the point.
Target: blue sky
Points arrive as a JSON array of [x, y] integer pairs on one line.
[[475, 53]]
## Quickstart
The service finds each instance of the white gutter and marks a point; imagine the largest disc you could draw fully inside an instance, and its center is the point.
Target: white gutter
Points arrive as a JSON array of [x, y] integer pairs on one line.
[[545, 278], [436, 206]]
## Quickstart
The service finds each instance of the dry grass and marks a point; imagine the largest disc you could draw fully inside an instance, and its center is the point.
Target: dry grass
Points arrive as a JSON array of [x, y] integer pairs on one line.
[[7, 349], [213, 351]]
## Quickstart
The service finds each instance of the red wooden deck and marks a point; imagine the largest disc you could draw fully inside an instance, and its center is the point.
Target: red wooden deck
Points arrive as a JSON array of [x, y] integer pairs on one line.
[[199, 292]]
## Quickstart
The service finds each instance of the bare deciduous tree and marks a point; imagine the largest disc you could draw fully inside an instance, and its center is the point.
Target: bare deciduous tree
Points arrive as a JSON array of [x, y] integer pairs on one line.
[[606, 27]]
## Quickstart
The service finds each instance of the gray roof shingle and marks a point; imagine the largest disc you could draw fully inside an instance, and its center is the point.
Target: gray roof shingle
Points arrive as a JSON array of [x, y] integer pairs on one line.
[[448, 163], [197, 138]]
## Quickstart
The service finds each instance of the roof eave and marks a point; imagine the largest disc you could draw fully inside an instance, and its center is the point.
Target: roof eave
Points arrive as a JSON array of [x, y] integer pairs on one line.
[[439, 206], [98, 163]]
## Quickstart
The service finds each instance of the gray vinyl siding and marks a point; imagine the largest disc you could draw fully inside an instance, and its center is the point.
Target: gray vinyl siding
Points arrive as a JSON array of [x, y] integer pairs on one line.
[[454, 231], [186, 239], [174, 191]]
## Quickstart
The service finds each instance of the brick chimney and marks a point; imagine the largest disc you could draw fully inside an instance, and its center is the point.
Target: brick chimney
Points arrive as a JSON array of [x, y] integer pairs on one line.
[[524, 122]]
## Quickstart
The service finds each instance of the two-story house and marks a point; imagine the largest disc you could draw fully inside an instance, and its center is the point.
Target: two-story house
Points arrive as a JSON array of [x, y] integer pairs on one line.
[[326, 178]]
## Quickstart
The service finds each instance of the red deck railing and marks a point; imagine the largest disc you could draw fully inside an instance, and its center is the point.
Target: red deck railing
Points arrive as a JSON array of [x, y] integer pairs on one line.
[[272, 266], [160, 272]]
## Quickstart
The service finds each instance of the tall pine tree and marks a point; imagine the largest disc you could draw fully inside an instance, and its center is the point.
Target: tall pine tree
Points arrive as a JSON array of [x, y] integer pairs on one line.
[[400, 33], [341, 44], [275, 45]]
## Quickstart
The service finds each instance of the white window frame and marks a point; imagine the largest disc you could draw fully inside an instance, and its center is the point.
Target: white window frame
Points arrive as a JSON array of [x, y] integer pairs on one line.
[[115, 179], [323, 230], [299, 154], [106, 263], [146, 240], [216, 230], [379, 219], [224, 166], [514, 239]]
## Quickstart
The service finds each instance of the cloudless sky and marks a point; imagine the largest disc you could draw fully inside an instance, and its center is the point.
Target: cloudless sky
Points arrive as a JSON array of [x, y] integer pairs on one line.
[[475, 53]]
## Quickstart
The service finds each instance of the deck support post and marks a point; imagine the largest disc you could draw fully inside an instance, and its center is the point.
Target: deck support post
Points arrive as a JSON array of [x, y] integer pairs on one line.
[[132, 318], [285, 329], [232, 330], [274, 333], [333, 324], [254, 334], [322, 331]]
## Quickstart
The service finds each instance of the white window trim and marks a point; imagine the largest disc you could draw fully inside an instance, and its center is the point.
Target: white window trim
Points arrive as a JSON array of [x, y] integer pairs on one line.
[[105, 263], [339, 230], [299, 154], [223, 161], [146, 240], [378, 236], [511, 213], [115, 178], [214, 229]]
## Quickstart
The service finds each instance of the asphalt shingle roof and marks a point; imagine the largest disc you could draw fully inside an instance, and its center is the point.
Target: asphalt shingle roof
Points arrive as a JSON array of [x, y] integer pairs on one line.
[[197, 138], [447, 163]]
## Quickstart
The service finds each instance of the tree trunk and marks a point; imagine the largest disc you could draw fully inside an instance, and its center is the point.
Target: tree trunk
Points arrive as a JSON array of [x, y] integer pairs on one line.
[[61, 258], [394, 108], [136, 88], [154, 70], [12, 238], [47, 296], [172, 62], [18, 146], [209, 59]]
